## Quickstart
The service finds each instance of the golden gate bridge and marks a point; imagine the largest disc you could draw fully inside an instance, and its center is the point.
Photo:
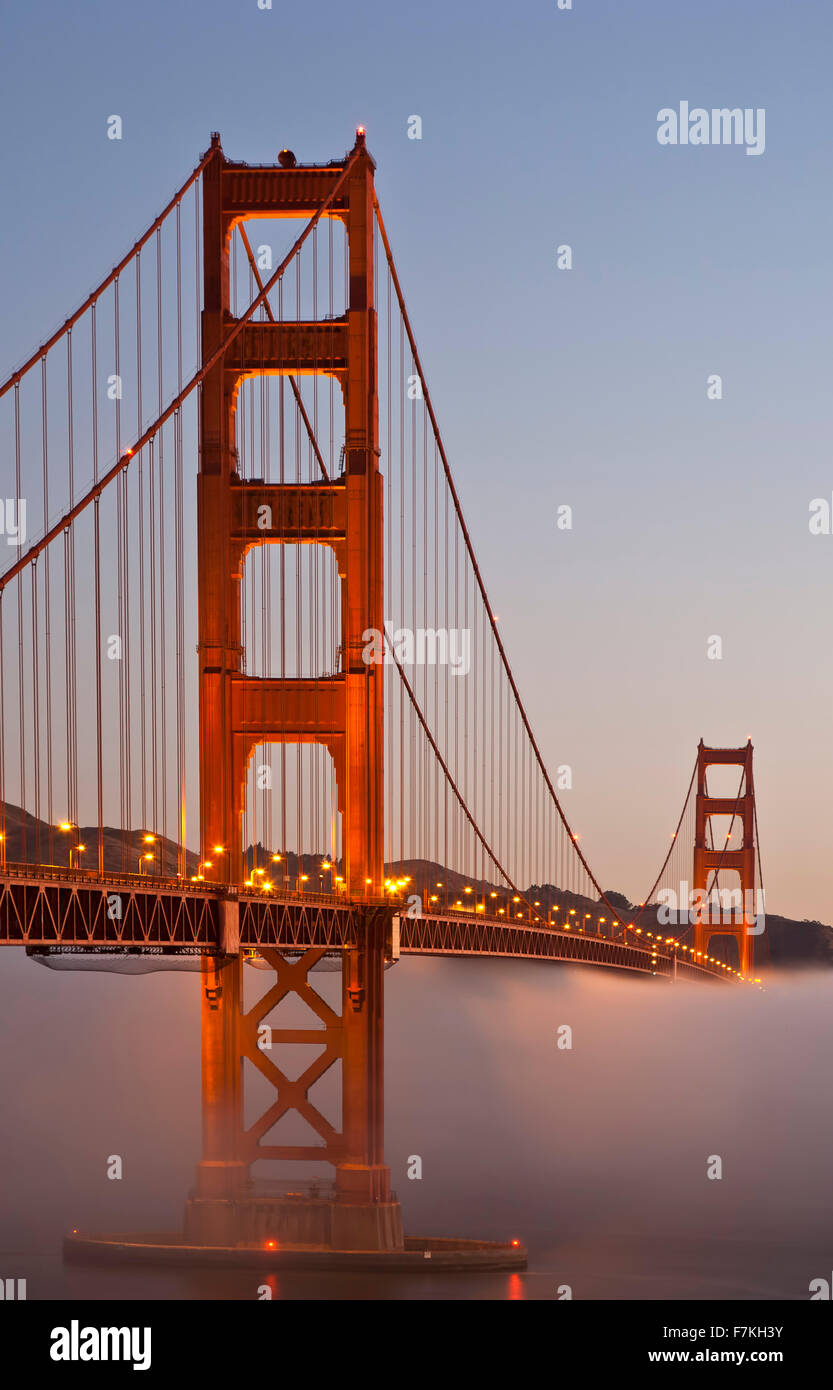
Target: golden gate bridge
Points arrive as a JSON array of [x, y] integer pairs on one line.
[[290, 644]]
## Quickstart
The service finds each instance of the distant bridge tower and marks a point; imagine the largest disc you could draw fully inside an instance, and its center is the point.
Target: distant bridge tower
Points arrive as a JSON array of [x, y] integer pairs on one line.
[[710, 857], [344, 712]]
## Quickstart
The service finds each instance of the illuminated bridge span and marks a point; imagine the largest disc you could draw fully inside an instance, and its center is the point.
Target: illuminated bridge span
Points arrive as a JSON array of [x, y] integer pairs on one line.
[[244, 598]]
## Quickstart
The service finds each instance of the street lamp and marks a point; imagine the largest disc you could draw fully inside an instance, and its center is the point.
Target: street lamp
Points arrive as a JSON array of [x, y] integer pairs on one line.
[[281, 859], [67, 826], [148, 855]]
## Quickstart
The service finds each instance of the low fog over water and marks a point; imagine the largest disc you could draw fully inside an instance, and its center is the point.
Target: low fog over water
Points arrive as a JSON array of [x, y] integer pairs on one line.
[[595, 1156]]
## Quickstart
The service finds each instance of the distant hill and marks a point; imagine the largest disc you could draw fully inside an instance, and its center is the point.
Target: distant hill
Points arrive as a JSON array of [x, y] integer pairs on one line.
[[33, 841]]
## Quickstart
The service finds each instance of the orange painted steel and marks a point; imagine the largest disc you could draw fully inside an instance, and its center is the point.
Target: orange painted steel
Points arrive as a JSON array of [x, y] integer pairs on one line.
[[48, 909], [344, 713], [709, 860]]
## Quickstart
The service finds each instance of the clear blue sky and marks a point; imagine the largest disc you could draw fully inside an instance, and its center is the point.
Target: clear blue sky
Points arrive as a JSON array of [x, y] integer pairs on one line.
[[585, 387]]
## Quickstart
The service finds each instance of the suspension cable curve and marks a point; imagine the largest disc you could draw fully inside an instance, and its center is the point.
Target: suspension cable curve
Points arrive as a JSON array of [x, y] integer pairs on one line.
[[17, 376], [122, 462], [475, 567]]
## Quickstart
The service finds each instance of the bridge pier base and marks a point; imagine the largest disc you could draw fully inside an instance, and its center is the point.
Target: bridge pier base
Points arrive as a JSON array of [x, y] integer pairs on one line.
[[230, 1205], [276, 1221]]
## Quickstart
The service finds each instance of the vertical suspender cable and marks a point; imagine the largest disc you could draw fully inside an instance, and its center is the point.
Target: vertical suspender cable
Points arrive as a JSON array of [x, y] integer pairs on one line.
[[4, 848], [122, 617], [163, 663], [180, 564], [122, 498], [47, 614], [36, 705], [99, 758], [21, 660], [141, 498]]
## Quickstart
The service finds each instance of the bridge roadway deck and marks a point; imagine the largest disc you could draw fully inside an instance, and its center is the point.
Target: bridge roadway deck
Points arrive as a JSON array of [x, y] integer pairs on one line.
[[42, 908]]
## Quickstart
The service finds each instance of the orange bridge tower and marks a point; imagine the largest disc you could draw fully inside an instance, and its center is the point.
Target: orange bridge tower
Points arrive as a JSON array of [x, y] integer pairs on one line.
[[736, 920], [343, 712]]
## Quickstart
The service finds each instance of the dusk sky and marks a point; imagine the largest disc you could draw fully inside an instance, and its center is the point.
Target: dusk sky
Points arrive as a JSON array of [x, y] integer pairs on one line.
[[585, 387]]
